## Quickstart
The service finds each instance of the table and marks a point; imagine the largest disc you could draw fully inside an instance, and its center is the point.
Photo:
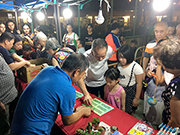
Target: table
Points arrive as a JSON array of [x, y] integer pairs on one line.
[[115, 117]]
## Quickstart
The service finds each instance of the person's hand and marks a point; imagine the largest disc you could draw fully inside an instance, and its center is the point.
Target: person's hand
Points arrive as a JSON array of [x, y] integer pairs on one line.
[[44, 65], [79, 108], [88, 111], [148, 73], [135, 102], [27, 37], [18, 31], [2, 107], [28, 63], [87, 100]]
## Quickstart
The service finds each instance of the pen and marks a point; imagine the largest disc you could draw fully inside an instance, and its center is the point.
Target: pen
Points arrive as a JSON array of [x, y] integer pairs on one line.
[[160, 131], [163, 133], [169, 131], [172, 131], [160, 125]]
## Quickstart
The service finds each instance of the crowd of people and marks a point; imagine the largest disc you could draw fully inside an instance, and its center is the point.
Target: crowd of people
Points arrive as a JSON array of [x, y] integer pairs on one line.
[[84, 62]]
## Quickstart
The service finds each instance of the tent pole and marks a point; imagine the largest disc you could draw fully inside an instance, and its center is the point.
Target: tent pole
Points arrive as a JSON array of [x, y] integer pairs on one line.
[[16, 17], [57, 22], [79, 23], [134, 25], [112, 6], [32, 28]]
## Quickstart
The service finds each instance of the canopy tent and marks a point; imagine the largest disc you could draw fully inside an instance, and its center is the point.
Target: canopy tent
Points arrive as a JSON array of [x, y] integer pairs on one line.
[[30, 5], [12, 4]]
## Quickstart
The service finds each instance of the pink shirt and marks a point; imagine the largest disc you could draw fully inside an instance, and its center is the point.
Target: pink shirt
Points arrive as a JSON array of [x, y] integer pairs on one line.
[[114, 98]]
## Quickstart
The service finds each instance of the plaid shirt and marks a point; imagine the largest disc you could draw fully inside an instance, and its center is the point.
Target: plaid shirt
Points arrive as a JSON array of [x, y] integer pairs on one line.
[[8, 91]]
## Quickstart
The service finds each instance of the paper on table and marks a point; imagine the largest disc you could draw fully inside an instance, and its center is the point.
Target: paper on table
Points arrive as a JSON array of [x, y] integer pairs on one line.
[[78, 94], [99, 107]]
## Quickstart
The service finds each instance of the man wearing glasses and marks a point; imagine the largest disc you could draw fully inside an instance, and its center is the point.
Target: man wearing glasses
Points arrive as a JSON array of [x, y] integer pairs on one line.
[[98, 56]]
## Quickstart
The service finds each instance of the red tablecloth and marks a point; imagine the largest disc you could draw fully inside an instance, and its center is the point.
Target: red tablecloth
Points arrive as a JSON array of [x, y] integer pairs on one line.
[[115, 117]]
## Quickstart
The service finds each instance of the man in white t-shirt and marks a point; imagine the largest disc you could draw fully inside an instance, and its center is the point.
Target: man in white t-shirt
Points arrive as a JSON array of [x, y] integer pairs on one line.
[[98, 56]]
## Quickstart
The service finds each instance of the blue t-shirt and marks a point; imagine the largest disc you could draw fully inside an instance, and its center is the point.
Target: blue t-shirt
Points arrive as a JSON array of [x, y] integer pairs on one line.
[[6, 55], [50, 91]]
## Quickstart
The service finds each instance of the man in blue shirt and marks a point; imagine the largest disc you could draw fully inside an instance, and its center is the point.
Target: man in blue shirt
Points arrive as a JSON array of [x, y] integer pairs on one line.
[[50, 92], [6, 43]]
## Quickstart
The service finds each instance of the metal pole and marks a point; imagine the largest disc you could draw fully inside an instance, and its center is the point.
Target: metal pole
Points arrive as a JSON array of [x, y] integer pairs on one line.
[[79, 23], [57, 22], [16, 18], [32, 28], [112, 6], [16, 15], [134, 26]]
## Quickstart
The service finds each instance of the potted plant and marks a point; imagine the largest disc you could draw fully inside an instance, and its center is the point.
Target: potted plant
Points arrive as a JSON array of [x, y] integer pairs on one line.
[[113, 129], [79, 131], [95, 123], [88, 127], [85, 133], [102, 130], [97, 133]]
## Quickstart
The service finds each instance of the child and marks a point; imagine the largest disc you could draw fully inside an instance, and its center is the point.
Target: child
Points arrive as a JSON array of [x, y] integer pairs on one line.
[[114, 93], [28, 53], [131, 77], [80, 47]]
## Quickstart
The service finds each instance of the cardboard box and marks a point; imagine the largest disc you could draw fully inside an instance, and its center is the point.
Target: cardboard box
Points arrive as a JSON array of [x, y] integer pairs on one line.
[[27, 74]]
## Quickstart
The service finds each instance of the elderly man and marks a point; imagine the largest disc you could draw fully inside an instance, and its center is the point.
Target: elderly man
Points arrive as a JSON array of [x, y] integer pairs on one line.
[[160, 31], [97, 56], [154, 114], [49, 93]]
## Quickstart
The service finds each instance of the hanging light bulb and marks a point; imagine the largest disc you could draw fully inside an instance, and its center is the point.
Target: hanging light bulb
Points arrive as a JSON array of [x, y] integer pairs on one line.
[[40, 16], [24, 15], [100, 18], [67, 13], [29, 19], [160, 5]]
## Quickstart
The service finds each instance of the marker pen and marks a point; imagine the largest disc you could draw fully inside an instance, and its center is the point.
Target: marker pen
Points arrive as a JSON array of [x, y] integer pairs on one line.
[[163, 133], [160, 131], [172, 131], [169, 131], [160, 125]]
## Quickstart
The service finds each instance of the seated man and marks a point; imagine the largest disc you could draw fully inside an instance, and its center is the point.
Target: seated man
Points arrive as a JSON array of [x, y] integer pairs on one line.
[[6, 43], [50, 92]]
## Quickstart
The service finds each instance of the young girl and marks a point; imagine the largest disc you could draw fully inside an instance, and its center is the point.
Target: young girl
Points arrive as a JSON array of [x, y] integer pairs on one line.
[[114, 93], [131, 77], [70, 38]]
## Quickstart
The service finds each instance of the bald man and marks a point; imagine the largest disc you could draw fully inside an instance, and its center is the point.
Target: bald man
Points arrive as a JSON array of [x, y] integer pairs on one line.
[[160, 30]]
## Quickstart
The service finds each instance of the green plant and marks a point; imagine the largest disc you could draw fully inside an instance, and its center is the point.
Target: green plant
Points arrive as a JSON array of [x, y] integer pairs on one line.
[[97, 133], [79, 131], [114, 128], [89, 126], [101, 129], [95, 121], [85, 133]]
